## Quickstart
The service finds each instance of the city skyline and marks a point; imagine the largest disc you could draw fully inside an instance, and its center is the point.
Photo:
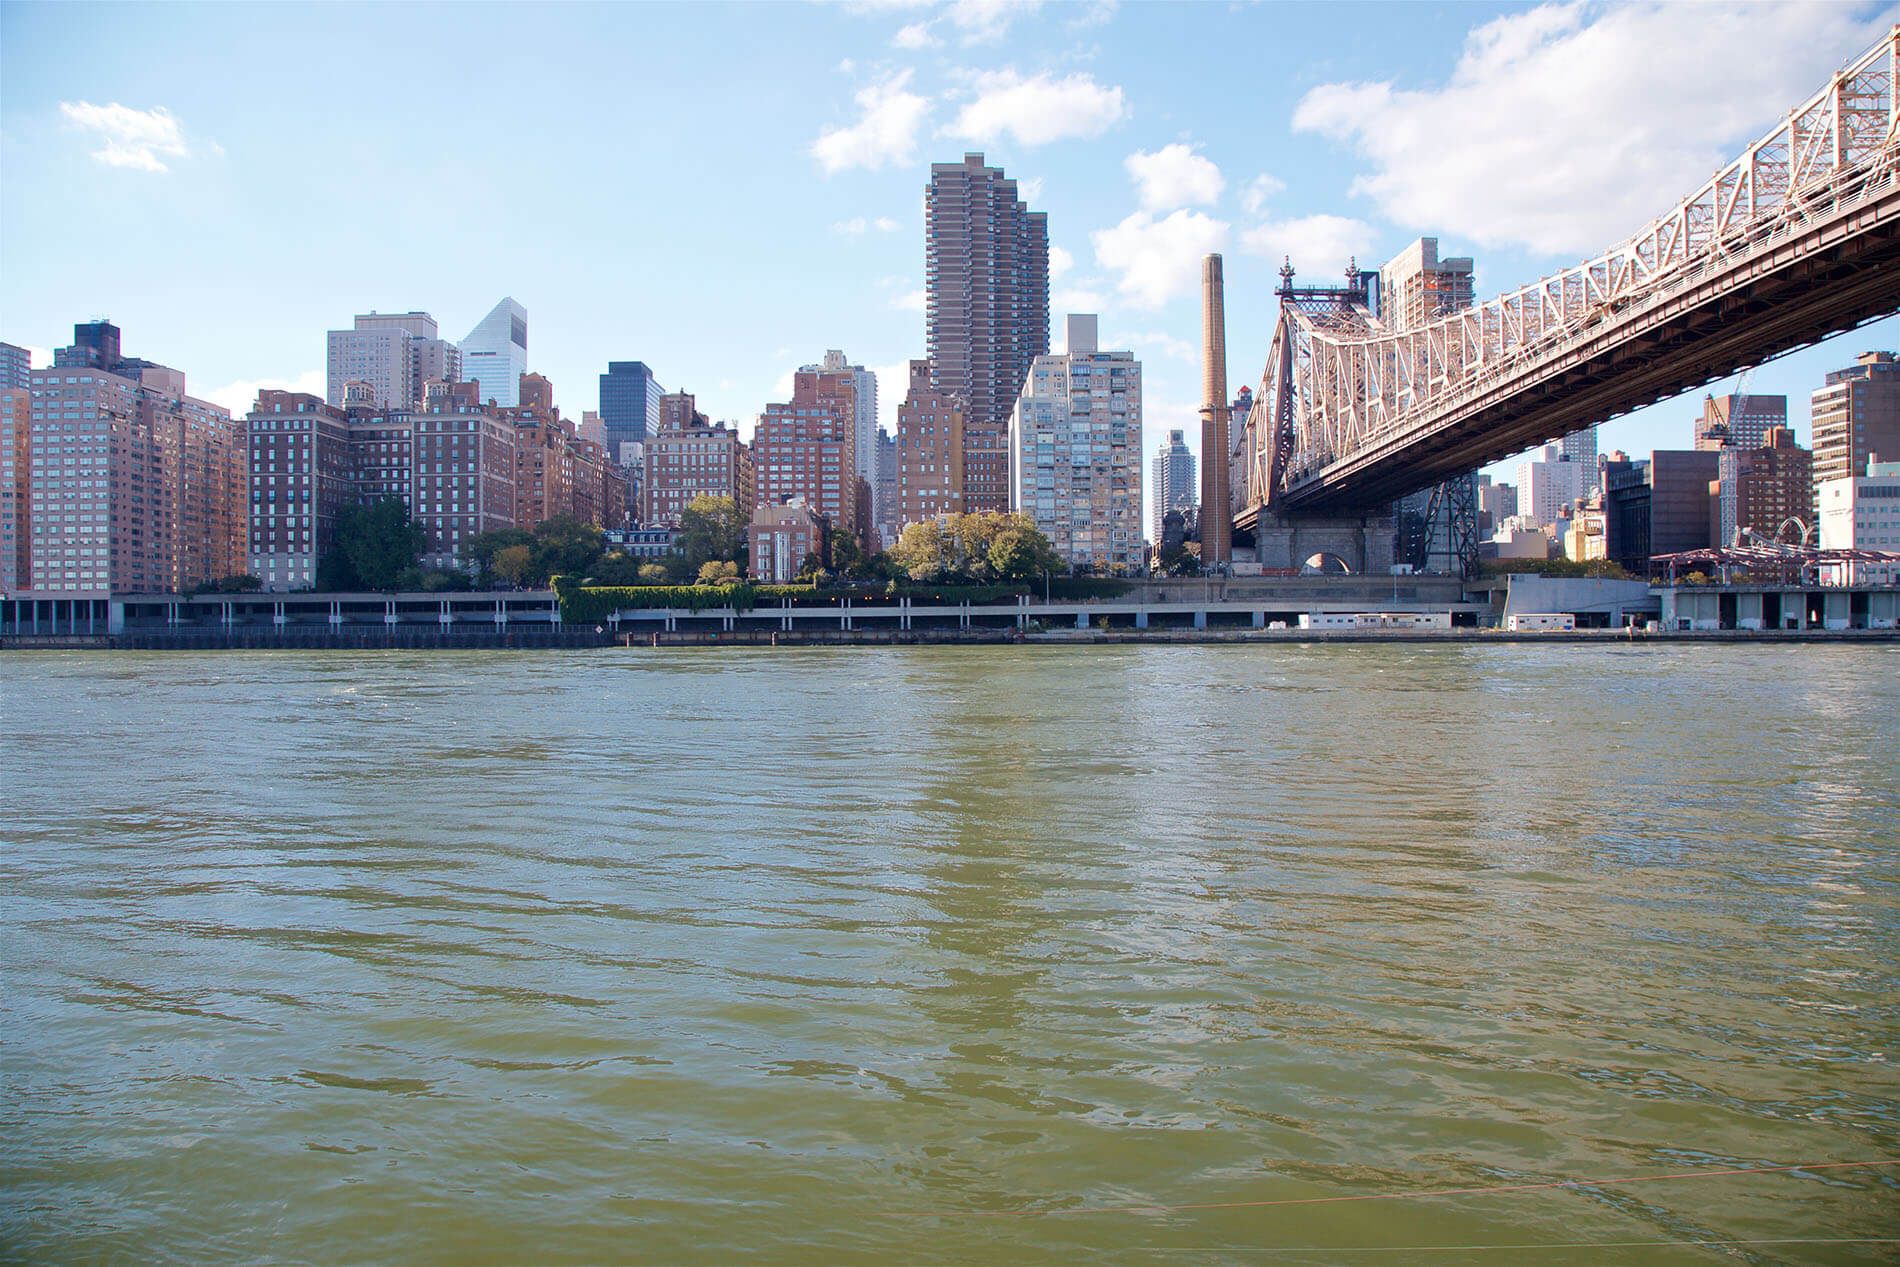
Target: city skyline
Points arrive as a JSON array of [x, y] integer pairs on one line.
[[1140, 172]]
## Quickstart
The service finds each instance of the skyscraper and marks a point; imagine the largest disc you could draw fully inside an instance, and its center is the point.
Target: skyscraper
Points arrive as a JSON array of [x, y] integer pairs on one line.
[[141, 487], [16, 488], [1857, 417], [395, 353], [495, 353], [15, 366], [986, 309], [1742, 422], [1416, 287], [689, 456], [1581, 448], [1174, 483], [1760, 489], [929, 450], [1075, 451], [807, 448], [888, 521], [864, 383], [1547, 484], [629, 406]]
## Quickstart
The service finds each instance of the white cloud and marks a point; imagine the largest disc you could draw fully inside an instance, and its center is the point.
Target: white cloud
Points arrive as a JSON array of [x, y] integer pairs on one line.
[[915, 36], [238, 397], [908, 301], [38, 358], [1158, 259], [139, 139], [1029, 189], [857, 225], [1260, 191], [1565, 128], [1077, 299], [893, 384], [1147, 342], [1060, 262], [1174, 176], [986, 21], [1037, 110], [1317, 245], [884, 224], [886, 131]]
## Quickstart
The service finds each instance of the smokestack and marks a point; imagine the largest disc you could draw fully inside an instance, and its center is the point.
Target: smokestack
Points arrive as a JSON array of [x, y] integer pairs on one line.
[[1217, 512]]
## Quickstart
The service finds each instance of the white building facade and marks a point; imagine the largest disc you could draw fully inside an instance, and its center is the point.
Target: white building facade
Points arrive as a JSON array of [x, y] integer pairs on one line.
[[395, 353], [1862, 512], [1075, 452], [1546, 485]]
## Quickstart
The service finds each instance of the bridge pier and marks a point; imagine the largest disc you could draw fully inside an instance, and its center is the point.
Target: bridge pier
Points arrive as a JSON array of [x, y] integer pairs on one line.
[[1362, 542]]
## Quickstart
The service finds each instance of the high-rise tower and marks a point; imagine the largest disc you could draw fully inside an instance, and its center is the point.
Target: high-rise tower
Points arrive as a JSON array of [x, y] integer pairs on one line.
[[495, 353], [1173, 481], [986, 310], [1076, 434]]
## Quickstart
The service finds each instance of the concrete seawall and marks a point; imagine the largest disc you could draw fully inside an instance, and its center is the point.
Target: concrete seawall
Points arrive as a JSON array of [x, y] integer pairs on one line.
[[525, 640]]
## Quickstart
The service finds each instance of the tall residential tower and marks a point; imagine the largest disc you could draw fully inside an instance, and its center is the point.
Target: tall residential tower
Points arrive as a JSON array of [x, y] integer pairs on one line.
[[1174, 484], [1076, 452], [986, 309], [1857, 418]]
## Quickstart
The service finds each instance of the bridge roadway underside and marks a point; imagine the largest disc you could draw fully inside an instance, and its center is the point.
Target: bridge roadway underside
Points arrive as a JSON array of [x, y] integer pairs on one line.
[[1829, 277]]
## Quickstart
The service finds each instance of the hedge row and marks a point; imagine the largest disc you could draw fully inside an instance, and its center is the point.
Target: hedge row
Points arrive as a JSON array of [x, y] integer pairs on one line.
[[585, 604], [588, 604]]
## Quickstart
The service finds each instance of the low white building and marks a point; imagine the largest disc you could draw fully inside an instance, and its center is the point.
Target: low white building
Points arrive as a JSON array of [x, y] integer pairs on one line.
[[1862, 512]]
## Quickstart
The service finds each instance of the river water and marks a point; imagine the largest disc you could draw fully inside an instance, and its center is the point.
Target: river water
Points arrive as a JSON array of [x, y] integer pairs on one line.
[[987, 955]]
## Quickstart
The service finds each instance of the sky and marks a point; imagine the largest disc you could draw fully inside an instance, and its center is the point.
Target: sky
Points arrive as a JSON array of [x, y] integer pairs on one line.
[[725, 191]]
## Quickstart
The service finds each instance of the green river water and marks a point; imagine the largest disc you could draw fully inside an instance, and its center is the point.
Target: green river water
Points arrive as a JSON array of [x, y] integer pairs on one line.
[[951, 955]]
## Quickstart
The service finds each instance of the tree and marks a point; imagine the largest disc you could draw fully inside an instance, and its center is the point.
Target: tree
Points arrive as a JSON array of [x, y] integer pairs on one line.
[[616, 567], [654, 574], [1021, 552], [376, 542], [973, 535], [711, 528], [717, 572], [919, 552], [482, 548], [512, 564], [564, 546]]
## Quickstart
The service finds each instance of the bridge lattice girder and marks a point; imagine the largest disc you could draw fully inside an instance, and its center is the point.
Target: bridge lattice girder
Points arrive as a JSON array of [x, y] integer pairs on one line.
[[1796, 238]]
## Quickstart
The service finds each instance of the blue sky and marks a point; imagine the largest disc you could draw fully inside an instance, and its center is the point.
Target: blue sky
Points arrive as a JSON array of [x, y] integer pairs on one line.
[[725, 191]]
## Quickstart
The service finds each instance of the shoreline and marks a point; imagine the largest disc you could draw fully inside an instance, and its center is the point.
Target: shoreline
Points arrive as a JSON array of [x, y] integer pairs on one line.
[[554, 640]]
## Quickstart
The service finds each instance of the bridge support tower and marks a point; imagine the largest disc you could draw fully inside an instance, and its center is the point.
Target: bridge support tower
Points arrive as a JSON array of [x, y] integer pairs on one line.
[[1362, 542]]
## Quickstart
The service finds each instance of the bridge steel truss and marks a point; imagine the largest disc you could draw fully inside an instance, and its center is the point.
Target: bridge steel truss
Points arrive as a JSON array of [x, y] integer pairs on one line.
[[1797, 239]]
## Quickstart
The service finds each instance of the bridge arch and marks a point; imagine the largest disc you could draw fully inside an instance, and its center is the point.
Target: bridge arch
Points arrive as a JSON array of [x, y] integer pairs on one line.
[[1325, 563]]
